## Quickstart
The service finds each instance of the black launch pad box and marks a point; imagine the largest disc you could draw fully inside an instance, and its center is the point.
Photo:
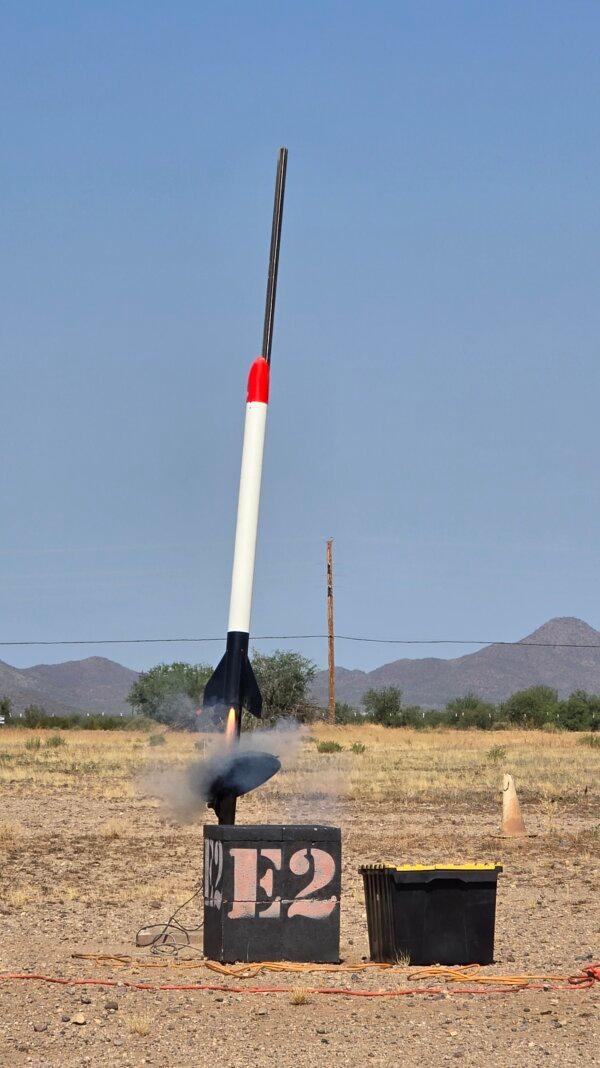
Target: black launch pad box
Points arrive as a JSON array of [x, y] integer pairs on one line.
[[272, 893]]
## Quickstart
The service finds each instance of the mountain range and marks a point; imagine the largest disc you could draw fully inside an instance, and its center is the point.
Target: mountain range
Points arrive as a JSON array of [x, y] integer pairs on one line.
[[97, 684], [493, 673], [91, 685]]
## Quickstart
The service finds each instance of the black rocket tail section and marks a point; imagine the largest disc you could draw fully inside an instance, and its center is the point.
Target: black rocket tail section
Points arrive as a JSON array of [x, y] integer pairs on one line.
[[233, 683]]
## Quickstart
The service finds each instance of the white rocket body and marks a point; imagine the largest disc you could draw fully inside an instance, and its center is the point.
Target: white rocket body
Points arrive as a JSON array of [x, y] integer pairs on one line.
[[242, 577], [233, 684]]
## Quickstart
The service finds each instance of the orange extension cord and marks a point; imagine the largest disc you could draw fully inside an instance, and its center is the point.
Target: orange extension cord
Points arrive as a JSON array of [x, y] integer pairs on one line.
[[501, 984]]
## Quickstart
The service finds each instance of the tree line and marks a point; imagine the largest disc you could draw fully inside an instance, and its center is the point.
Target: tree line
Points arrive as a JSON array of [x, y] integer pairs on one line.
[[172, 694], [537, 707]]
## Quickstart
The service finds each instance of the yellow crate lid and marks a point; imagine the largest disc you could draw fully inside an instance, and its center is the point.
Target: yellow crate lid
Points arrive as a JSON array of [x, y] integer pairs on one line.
[[432, 867]]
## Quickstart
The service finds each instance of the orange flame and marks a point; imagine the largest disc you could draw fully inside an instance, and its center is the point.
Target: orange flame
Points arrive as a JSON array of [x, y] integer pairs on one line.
[[230, 726]]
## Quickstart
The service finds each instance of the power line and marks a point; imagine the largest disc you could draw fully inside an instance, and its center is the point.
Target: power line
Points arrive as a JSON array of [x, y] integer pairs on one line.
[[306, 637]]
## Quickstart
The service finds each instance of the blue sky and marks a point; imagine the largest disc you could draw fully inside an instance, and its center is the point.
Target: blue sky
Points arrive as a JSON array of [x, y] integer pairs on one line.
[[435, 363]]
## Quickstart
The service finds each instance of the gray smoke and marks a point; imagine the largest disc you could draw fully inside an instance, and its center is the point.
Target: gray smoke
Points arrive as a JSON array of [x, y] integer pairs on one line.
[[229, 767]]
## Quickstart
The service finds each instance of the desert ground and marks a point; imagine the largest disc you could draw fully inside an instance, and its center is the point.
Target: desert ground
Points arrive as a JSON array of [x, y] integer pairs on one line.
[[89, 855]]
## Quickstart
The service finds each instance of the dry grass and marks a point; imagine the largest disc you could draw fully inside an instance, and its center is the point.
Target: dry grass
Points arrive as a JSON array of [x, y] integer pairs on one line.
[[395, 766], [140, 1023], [113, 828], [11, 833], [17, 897], [438, 765], [300, 997]]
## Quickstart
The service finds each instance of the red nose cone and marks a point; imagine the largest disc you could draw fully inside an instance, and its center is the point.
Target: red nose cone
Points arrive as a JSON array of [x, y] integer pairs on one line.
[[258, 381]]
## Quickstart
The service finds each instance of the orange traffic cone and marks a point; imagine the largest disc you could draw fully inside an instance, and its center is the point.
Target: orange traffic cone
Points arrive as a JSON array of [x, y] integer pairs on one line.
[[512, 820]]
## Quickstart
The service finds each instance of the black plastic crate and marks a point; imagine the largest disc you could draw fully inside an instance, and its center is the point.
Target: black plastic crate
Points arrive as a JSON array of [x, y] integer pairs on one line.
[[441, 914]]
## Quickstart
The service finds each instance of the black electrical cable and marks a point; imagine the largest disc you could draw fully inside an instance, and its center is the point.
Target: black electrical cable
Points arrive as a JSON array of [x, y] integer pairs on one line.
[[158, 943], [305, 637]]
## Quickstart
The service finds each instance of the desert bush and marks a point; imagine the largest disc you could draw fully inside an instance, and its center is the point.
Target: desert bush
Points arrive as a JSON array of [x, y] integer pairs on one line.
[[284, 679], [345, 714], [171, 693], [33, 743], [497, 754], [470, 711], [531, 708], [156, 739], [358, 747], [384, 706], [591, 740], [329, 747], [138, 723], [54, 741], [579, 712]]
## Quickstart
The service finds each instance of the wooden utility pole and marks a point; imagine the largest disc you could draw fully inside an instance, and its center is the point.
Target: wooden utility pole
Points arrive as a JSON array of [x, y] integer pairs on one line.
[[331, 641]]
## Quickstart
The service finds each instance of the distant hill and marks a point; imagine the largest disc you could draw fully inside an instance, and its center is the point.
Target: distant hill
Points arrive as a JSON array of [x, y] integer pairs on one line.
[[493, 673], [91, 685], [100, 685]]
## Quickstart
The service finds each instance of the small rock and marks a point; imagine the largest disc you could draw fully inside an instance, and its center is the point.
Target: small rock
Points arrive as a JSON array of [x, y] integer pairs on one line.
[[261, 1012], [41, 1025], [86, 999], [78, 1019], [111, 1006], [65, 1017]]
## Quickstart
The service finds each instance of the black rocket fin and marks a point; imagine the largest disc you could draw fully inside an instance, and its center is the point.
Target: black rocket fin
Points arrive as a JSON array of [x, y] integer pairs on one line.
[[252, 694], [225, 688], [214, 691]]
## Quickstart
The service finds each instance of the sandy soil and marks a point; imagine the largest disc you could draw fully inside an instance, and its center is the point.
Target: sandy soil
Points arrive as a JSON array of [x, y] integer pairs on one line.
[[83, 873]]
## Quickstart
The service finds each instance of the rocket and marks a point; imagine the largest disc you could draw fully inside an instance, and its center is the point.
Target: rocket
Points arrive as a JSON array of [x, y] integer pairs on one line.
[[233, 686]]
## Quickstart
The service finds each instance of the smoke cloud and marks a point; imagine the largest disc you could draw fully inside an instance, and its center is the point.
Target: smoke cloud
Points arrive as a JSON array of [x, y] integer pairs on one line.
[[239, 766]]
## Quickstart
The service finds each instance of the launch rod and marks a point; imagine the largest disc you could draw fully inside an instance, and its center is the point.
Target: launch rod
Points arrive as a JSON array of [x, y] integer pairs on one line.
[[274, 255]]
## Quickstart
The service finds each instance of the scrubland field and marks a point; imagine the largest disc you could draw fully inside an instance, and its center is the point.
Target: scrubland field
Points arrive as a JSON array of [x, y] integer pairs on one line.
[[88, 854]]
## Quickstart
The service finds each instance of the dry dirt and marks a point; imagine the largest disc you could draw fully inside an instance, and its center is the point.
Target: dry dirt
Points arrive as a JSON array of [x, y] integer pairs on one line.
[[88, 856]]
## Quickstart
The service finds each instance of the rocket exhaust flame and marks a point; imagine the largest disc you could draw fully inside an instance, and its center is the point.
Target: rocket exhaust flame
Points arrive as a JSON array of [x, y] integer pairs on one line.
[[231, 726]]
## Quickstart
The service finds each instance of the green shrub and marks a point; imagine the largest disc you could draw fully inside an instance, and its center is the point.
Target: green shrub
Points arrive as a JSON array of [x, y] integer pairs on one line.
[[470, 711], [497, 754], [33, 743], [156, 739], [345, 714], [329, 747], [54, 741], [532, 707], [591, 740], [138, 723], [358, 747]]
